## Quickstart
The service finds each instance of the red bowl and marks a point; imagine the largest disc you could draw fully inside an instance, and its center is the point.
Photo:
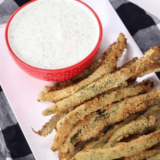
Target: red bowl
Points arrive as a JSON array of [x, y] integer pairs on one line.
[[55, 74]]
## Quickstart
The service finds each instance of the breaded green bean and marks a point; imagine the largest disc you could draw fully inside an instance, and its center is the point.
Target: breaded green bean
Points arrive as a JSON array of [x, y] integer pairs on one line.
[[109, 65], [67, 149], [149, 57], [102, 85], [103, 138], [128, 64], [158, 124], [65, 125], [85, 130], [121, 150], [157, 157], [157, 146], [155, 109], [106, 83], [57, 86], [50, 125], [155, 67], [135, 127], [61, 136], [145, 154]]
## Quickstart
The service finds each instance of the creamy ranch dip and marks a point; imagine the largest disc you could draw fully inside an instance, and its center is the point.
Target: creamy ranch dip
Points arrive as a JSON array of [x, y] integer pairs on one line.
[[53, 34]]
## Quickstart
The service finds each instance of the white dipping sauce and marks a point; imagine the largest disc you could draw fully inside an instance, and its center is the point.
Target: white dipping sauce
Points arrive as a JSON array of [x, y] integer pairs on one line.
[[53, 34]]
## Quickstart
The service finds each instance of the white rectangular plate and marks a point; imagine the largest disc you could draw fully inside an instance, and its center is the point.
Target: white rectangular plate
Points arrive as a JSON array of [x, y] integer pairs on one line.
[[22, 90]]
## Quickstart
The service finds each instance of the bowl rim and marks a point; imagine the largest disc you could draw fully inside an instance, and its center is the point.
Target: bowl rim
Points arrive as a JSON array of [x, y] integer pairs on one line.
[[61, 69]]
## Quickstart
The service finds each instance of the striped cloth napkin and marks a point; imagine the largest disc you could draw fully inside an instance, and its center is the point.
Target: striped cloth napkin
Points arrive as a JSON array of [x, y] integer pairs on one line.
[[142, 25]]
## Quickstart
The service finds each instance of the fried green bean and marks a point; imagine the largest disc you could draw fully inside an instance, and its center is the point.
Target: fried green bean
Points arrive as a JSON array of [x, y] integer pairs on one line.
[[155, 109], [87, 129], [155, 67], [65, 125], [50, 125], [106, 83], [102, 85], [135, 127], [157, 146], [149, 57], [157, 157], [153, 64], [121, 150], [103, 138], [128, 64], [158, 124], [145, 154]]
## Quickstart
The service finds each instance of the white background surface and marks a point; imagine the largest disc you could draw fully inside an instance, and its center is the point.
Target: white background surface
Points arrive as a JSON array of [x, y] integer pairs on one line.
[[22, 90], [1, 1]]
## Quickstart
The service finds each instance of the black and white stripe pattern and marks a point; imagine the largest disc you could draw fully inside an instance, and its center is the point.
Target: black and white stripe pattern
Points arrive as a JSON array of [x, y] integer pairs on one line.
[[142, 26], [7, 7], [12, 141]]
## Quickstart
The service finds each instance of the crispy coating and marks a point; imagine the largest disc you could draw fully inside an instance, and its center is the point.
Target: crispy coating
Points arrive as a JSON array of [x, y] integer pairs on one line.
[[96, 122], [58, 86], [157, 146], [149, 58], [101, 101], [68, 147], [152, 67], [155, 67], [128, 64], [157, 157], [63, 132], [158, 124], [145, 154], [100, 140], [102, 85], [155, 109], [135, 127], [151, 55], [151, 110], [109, 65], [65, 125], [107, 82], [50, 125], [121, 150], [103, 138]]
